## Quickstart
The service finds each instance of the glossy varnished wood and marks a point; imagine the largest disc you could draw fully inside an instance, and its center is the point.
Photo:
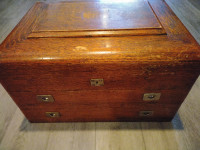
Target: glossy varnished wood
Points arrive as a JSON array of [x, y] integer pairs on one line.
[[100, 96], [57, 64], [97, 112], [47, 76], [86, 19], [96, 16], [180, 134], [179, 44]]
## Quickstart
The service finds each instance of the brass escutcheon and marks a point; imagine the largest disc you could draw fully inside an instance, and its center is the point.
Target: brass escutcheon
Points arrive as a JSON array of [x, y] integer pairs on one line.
[[151, 96], [96, 82]]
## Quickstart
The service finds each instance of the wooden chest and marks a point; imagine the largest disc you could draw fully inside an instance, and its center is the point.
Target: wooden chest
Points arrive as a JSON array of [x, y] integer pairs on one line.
[[99, 61]]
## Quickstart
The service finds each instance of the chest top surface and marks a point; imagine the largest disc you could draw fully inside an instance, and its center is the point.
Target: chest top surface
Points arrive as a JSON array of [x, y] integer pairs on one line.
[[140, 30], [85, 19]]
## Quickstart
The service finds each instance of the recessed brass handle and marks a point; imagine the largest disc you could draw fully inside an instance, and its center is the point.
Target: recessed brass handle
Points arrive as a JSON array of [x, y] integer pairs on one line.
[[45, 98], [151, 96], [52, 114], [96, 82]]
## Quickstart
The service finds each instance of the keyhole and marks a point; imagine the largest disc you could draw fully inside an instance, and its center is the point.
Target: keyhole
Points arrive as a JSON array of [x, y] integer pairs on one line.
[[146, 113], [151, 96], [45, 98], [52, 115]]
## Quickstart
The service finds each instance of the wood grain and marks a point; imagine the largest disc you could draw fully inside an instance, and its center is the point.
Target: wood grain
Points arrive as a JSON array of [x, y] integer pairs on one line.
[[152, 136], [182, 46], [96, 19], [88, 16], [150, 64], [73, 135], [187, 136], [100, 96], [88, 112], [111, 136], [97, 33], [49, 77]]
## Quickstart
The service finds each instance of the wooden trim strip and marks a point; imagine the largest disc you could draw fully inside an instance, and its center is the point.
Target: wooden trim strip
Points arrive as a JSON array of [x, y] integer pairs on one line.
[[97, 33]]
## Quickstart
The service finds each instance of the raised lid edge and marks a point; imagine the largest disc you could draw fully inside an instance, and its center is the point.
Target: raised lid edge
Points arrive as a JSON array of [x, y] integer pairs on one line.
[[97, 33]]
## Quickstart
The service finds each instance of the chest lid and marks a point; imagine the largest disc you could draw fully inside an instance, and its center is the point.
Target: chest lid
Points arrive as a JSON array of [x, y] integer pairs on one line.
[[141, 31], [97, 19]]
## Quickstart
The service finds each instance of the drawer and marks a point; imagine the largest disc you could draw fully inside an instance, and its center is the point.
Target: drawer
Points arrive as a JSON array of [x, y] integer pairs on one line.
[[100, 112], [100, 96], [50, 78]]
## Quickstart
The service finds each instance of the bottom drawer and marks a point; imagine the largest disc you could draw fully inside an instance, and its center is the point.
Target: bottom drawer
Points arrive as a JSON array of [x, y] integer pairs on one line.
[[101, 112]]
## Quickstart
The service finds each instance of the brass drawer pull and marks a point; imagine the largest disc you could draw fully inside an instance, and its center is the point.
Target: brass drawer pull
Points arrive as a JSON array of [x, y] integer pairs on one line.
[[52, 114], [151, 96], [45, 98], [146, 113], [96, 82]]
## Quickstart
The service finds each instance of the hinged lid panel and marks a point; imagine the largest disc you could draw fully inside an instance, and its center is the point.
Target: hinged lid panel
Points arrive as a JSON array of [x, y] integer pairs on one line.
[[28, 41], [97, 19]]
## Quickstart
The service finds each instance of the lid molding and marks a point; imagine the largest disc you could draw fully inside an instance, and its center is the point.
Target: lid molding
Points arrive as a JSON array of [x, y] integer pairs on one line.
[[97, 33]]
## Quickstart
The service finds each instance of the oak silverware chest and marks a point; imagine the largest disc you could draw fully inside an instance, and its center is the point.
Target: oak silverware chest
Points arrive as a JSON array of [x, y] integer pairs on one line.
[[99, 61]]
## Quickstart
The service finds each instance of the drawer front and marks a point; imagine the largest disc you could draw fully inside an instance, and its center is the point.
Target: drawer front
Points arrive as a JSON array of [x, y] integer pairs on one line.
[[115, 77], [98, 97], [100, 112], [49, 83]]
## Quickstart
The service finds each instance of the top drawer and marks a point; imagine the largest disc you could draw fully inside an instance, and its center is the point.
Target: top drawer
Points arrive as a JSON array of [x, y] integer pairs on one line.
[[62, 77]]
